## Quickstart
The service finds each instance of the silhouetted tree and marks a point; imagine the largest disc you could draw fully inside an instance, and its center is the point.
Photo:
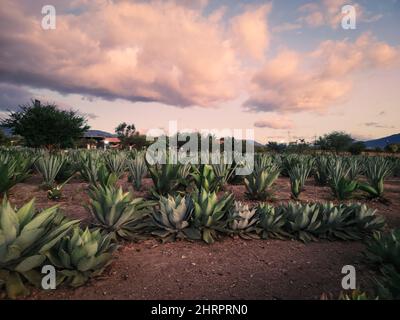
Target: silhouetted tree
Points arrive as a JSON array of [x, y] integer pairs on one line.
[[335, 141], [46, 125]]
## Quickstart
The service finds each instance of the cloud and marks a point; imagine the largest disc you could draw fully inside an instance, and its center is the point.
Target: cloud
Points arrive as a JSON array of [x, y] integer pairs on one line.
[[378, 125], [274, 123], [287, 26], [326, 12], [176, 53], [11, 96], [89, 115], [284, 84], [329, 12], [162, 51], [250, 33]]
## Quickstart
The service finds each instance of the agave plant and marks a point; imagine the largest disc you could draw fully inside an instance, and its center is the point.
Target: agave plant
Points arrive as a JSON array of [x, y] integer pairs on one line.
[[272, 221], [337, 222], [13, 169], [67, 170], [48, 166], [384, 249], [377, 169], [89, 167], [105, 178], [304, 221], [184, 176], [354, 295], [172, 216], [288, 161], [165, 178], [116, 163], [208, 216], [205, 178], [242, 221], [262, 162], [355, 166], [81, 256], [340, 182], [298, 175], [258, 185], [365, 220], [321, 173], [388, 285], [25, 238], [396, 167], [118, 212], [138, 170], [223, 172], [55, 193]]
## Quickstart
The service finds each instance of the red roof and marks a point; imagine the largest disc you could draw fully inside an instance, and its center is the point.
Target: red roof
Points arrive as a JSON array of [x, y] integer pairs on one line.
[[112, 140]]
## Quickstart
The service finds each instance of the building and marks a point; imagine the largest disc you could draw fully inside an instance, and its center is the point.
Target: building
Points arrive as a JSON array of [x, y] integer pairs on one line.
[[96, 139]]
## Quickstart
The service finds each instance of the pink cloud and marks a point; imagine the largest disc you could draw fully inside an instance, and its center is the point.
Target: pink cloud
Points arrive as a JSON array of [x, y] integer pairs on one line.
[[274, 122], [329, 12], [284, 84], [139, 51], [170, 52], [250, 34]]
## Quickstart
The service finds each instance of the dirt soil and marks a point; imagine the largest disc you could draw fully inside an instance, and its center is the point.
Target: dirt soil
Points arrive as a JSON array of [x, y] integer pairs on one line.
[[228, 269]]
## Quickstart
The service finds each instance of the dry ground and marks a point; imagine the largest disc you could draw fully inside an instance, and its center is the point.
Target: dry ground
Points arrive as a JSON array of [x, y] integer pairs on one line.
[[229, 269]]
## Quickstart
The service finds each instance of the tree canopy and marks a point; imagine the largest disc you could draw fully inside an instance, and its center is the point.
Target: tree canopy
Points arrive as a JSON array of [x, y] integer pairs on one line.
[[335, 141], [46, 125]]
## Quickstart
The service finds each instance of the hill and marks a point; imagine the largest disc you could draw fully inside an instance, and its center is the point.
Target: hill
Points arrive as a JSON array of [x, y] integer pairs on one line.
[[382, 142]]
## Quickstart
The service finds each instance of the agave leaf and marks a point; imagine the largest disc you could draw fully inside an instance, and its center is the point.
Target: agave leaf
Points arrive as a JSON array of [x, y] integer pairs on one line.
[[42, 219], [192, 233], [207, 236], [30, 263], [15, 286]]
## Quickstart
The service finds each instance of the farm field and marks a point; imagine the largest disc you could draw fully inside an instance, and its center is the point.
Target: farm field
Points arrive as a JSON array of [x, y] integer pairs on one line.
[[230, 268]]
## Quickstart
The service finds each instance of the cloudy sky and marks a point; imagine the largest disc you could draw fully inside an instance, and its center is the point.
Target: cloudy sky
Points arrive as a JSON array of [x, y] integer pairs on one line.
[[285, 68]]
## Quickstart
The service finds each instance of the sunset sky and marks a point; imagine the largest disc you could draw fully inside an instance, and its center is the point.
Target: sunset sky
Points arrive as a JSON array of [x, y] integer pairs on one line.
[[285, 68]]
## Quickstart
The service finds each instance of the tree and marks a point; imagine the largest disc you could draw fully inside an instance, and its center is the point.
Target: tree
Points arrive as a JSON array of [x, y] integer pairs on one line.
[[276, 147], [125, 133], [298, 146], [46, 125], [393, 147], [139, 141], [357, 148], [335, 141]]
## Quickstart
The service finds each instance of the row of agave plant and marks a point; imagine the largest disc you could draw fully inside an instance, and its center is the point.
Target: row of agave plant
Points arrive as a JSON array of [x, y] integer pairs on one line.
[[203, 215], [344, 175], [184, 204], [29, 240]]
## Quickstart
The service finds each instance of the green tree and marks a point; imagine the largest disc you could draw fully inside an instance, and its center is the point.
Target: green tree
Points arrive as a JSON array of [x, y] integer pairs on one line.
[[393, 147], [46, 125], [335, 141], [139, 141], [276, 147], [357, 148], [125, 133]]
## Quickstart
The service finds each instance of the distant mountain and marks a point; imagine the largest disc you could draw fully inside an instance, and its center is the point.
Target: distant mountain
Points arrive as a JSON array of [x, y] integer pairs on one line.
[[98, 133], [382, 142]]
